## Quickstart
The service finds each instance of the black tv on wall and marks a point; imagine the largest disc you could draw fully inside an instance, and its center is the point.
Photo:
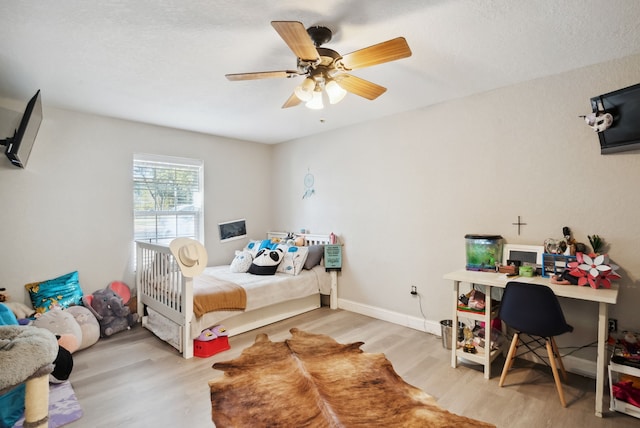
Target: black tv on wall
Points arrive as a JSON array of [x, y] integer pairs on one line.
[[624, 106], [18, 147]]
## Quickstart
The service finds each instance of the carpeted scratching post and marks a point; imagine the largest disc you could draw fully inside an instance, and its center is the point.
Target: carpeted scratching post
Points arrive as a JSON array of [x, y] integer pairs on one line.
[[26, 356]]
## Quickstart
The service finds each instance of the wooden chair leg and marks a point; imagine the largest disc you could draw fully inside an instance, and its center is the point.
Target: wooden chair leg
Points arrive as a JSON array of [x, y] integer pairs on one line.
[[510, 357], [556, 353], [554, 369]]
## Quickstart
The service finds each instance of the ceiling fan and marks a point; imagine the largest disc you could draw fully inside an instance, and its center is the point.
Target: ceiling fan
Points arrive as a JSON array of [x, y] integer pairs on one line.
[[325, 69]]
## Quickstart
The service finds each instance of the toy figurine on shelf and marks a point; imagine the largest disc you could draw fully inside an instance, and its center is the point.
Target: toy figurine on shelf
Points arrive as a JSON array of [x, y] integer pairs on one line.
[[566, 245], [573, 246], [468, 346]]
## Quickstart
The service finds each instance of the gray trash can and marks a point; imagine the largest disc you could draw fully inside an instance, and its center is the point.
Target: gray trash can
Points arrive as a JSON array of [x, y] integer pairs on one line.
[[446, 325]]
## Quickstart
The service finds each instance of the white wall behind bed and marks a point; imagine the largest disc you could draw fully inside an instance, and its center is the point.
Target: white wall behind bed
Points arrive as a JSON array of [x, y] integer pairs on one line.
[[71, 208]]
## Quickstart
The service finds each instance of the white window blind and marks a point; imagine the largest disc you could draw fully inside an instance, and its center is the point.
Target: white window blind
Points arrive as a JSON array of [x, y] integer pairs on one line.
[[167, 198]]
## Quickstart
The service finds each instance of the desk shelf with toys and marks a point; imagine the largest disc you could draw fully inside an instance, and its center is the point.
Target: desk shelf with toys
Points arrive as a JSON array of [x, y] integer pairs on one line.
[[485, 271], [472, 307], [624, 375]]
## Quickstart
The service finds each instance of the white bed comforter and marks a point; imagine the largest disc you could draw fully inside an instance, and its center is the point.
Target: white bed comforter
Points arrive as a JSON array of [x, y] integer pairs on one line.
[[262, 290]]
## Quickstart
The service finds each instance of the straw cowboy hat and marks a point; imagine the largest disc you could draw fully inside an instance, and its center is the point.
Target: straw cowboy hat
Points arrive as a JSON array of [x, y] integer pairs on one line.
[[190, 255]]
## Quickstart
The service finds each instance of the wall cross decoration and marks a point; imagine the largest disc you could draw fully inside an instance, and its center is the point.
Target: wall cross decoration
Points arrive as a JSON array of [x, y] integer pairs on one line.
[[519, 223]]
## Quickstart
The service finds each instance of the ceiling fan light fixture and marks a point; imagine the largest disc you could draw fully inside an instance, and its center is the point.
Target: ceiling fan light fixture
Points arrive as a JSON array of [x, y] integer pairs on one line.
[[321, 65], [335, 92], [316, 101], [305, 90]]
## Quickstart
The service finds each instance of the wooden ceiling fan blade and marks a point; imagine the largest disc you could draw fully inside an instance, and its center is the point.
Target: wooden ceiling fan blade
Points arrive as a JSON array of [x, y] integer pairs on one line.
[[292, 101], [296, 37], [361, 87], [261, 75], [390, 50]]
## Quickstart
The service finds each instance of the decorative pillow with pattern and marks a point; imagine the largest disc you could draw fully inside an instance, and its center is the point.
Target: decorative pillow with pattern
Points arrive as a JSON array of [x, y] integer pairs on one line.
[[241, 262], [63, 291], [266, 261], [293, 260], [253, 247]]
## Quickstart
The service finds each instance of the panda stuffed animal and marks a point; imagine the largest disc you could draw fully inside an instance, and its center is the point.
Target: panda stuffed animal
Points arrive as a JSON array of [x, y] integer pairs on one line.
[[266, 261]]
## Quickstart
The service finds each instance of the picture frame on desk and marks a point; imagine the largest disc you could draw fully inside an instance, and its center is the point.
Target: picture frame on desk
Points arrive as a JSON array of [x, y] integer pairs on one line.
[[530, 254]]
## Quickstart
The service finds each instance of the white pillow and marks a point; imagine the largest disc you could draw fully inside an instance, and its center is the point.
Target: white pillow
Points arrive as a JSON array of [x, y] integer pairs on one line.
[[241, 262], [293, 260], [252, 247]]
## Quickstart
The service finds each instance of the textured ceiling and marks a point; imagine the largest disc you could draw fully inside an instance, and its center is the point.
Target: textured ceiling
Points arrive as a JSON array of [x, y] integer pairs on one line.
[[163, 62]]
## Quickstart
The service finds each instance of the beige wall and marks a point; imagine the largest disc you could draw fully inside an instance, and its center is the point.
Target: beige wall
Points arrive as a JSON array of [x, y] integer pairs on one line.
[[71, 208], [403, 192]]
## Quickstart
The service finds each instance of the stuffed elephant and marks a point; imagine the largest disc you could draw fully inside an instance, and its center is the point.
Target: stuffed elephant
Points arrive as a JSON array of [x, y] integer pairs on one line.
[[109, 305]]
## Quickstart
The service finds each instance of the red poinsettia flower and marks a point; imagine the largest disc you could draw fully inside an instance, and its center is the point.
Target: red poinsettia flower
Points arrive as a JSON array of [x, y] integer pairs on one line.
[[605, 278], [593, 269]]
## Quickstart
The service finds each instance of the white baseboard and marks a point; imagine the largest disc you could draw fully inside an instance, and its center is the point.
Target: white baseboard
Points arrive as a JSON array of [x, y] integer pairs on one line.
[[572, 364], [580, 366], [416, 323]]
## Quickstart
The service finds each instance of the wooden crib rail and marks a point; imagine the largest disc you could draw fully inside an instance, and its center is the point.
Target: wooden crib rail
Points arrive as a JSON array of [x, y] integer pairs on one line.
[[161, 286]]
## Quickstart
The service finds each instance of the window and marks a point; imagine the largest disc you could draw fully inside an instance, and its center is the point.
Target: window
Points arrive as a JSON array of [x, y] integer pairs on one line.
[[167, 198]]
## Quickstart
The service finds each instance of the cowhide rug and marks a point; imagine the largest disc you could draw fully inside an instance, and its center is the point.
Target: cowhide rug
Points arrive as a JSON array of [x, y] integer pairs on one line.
[[311, 380]]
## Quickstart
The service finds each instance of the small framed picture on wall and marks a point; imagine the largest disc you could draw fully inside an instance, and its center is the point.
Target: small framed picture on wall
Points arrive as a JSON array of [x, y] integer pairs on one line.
[[231, 230]]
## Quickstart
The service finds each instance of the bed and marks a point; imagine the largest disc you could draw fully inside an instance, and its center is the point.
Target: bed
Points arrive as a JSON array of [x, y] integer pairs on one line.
[[165, 298]]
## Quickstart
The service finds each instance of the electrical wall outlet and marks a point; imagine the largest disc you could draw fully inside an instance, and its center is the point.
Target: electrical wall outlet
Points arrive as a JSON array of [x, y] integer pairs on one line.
[[414, 290], [613, 325]]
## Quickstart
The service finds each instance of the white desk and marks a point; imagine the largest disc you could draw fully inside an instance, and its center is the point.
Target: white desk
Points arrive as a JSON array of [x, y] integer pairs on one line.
[[602, 296]]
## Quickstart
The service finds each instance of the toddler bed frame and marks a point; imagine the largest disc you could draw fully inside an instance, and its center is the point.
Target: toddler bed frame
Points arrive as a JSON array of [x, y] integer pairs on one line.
[[162, 288]]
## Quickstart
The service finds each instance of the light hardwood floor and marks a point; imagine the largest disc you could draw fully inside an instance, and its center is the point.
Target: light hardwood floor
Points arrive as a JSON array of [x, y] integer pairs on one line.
[[133, 379]]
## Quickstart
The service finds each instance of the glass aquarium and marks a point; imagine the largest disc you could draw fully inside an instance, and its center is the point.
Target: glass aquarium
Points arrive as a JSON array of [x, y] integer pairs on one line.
[[483, 251]]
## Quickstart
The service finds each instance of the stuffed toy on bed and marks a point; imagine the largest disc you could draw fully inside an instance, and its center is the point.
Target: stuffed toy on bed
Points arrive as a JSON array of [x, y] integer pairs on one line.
[[109, 305]]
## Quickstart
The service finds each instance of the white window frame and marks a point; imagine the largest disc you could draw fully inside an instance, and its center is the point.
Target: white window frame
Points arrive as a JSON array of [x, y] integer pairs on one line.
[[172, 213]]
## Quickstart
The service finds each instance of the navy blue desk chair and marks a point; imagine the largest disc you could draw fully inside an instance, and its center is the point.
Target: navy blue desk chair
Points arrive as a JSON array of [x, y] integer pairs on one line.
[[535, 311]]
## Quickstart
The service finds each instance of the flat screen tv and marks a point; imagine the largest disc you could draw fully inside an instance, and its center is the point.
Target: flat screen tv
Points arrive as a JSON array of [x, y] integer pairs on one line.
[[18, 147], [624, 106]]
